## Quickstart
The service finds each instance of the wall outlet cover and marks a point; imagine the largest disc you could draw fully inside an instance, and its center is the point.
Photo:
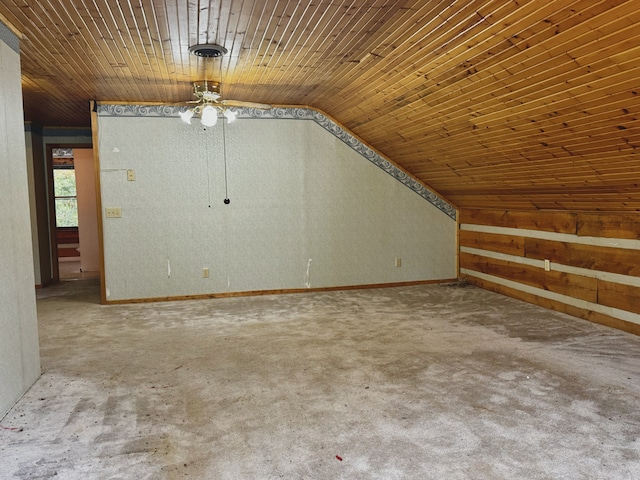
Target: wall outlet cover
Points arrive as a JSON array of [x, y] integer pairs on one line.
[[113, 212]]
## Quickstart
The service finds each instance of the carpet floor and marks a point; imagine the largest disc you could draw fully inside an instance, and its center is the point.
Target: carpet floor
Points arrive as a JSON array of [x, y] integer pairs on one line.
[[423, 382]]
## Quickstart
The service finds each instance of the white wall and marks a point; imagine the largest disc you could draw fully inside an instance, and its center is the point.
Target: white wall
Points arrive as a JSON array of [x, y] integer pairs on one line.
[[306, 211], [19, 357], [87, 213]]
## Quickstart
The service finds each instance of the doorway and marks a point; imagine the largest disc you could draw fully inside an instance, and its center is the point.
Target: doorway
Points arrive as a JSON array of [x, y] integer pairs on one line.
[[74, 214]]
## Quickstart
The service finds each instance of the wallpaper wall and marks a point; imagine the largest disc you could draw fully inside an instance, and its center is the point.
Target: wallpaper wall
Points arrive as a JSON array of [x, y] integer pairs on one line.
[[306, 208], [19, 357]]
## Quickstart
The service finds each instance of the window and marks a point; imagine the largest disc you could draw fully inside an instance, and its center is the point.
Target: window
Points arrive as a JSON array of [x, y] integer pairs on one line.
[[64, 186]]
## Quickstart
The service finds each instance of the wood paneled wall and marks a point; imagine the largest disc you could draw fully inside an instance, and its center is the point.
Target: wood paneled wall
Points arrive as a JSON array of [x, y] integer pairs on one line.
[[593, 261]]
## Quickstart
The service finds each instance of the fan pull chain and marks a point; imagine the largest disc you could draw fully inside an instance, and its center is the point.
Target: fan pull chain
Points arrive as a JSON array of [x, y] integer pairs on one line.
[[224, 146], [208, 150], [224, 152]]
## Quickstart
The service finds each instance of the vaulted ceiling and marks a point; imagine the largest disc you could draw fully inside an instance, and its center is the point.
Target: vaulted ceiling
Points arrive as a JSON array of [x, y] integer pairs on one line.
[[519, 104]]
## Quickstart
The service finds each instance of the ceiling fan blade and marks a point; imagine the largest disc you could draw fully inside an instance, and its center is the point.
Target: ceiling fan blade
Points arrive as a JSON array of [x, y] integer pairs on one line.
[[181, 104], [240, 103]]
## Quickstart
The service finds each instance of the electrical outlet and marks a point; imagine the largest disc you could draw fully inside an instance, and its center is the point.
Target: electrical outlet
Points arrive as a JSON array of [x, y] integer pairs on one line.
[[113, 212], [398, 262], [131, 175], [547, 265], [205, 273]]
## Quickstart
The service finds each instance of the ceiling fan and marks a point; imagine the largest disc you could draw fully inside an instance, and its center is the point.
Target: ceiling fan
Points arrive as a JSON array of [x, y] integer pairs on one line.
[[209, 102]]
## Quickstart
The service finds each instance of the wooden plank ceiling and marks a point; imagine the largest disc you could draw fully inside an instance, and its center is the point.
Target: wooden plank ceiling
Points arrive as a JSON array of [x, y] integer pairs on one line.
[[492, 103]]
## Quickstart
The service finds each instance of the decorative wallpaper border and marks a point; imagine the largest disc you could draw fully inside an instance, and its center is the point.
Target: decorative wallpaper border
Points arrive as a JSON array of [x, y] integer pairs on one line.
[[294, 113], [10, 38], [62, 152]]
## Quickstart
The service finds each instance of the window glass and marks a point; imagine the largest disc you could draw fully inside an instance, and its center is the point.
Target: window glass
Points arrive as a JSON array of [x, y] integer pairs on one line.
[[66, 212], [64, 186], [64, 182]]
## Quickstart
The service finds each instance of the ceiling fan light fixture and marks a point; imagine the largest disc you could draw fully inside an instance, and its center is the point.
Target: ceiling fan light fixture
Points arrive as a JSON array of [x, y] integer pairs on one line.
[[230, 115], [208, 97], [209, 116], [186, 116], [206, 88]]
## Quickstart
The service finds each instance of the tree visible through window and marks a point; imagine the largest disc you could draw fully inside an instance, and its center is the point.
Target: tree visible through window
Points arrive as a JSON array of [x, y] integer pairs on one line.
[[64, 186]]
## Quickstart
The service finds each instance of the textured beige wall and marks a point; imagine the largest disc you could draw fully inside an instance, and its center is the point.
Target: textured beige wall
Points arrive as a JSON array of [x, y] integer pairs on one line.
[[19, 357]]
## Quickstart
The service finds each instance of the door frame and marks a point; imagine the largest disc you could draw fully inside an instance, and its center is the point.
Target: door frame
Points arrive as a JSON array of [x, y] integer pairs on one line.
[[53, 241]]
